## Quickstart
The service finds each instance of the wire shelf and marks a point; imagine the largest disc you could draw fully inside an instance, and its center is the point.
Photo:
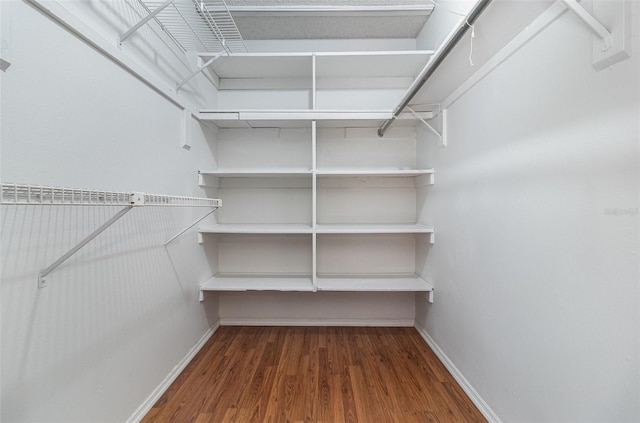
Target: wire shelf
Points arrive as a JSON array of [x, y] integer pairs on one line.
[[199, 25], [24, 194]]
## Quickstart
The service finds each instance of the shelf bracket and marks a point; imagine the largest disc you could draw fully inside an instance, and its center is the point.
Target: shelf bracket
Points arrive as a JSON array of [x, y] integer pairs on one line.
[[200, 69], [42, 282], [203, 295], [432, 237], [424, 122], [189, 227], [591, 22], [430, 297], [442, 136], [146, 19]]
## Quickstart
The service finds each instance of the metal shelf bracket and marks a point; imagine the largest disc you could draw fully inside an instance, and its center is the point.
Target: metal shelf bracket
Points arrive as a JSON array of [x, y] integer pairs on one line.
[[442, 136], [136, 199], [42, 282], [173, 238], [430, 297], [200, 69], [37, 195], [592, 23], [146, 19]]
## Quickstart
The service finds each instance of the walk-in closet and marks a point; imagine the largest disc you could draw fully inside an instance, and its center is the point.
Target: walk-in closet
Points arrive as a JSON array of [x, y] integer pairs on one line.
[[320, 211]]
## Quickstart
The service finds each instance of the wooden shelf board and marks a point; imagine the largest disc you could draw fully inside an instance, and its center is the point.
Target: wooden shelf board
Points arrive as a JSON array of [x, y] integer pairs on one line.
[[256, 228], [258, 173], [384, 283], [301, 118], [373, 172], [373, 228], [258, 283], [363, 64]]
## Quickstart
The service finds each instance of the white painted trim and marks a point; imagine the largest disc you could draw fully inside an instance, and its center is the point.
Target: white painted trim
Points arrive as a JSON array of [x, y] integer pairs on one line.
[[144, 408], [549, 16], [232, 321], [475, 397]]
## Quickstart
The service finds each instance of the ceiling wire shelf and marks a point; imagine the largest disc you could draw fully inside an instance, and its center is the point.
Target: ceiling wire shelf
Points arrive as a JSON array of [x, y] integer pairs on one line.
[[197, 25]]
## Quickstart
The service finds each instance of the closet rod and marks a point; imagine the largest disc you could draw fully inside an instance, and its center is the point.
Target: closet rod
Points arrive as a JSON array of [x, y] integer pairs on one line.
[[436, 60], [38, 195]]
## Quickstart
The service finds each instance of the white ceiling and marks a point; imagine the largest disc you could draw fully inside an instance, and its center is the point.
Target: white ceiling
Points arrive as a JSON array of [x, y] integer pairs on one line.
[[328, 19]]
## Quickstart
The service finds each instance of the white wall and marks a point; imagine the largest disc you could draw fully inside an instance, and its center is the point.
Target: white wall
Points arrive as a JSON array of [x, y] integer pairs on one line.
[[537, 295], [119, 315], [317, 309]]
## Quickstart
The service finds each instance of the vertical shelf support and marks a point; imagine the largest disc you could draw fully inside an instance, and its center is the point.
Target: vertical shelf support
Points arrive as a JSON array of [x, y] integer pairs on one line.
[[146, 19], [430, 297], [592, 23], [314, 201]]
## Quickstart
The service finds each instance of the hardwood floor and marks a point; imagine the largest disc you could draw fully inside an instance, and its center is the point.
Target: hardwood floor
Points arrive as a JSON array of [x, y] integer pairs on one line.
[[314, 374]]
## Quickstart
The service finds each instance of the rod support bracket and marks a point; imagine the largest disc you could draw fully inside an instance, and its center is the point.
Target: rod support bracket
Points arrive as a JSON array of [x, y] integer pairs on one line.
[[592, 23], [193, 74]]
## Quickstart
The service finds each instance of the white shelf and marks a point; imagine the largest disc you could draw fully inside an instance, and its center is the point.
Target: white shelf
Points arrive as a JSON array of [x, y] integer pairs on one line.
[[262, 65], [301, 118], [258, 283], [389, 283], [256, 228], [374, 172], [258, 173], [361, 64], [386, 228]]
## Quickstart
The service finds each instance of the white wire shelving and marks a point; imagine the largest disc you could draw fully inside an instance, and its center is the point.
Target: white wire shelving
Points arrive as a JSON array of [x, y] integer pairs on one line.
[[194, 25], [24, 194], [39, 195]]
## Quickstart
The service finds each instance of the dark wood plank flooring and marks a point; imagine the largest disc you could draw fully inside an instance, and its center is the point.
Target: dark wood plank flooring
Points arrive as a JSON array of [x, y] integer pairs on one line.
[[314, 374]]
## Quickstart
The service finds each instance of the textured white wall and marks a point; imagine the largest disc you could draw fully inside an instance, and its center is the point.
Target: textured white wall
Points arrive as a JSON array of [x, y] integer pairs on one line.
[[118, 316], [319, 308], [537, 295]]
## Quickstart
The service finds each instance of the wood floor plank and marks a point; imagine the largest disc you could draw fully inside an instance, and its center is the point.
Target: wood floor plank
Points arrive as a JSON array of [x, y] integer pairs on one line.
[[314, 374]]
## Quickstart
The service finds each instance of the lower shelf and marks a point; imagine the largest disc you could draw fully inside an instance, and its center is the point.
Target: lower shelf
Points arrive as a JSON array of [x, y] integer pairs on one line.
[[374, 283], [257, 283], [365, 283]]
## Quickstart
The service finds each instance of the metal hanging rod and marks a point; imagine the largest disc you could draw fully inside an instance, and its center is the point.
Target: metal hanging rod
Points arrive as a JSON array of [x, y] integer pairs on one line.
[[435, 61], [38, 195]]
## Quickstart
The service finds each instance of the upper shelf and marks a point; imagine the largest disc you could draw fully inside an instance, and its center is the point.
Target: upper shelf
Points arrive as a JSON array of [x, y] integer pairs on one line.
[[360, 64], [257, 173], [373, 172], [364, 228], [301, 118]]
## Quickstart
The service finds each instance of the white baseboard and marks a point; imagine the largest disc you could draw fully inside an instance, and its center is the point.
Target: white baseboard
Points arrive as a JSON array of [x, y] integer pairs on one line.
[[232, 321], [475, 397], [157, 393]]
